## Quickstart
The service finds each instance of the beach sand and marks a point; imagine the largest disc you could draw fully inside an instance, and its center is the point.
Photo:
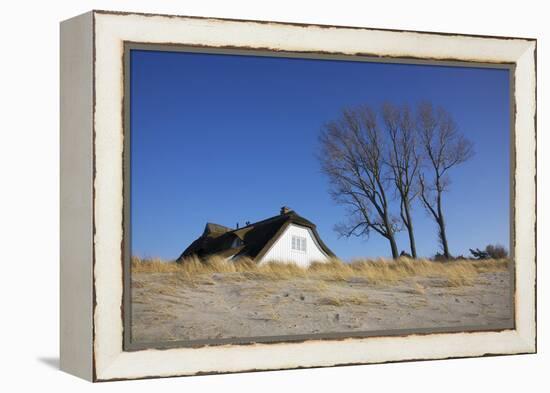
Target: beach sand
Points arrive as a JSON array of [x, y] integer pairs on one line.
[[167, 307]]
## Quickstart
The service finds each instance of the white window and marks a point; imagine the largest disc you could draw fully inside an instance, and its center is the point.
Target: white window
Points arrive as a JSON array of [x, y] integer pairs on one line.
[[299, 243]]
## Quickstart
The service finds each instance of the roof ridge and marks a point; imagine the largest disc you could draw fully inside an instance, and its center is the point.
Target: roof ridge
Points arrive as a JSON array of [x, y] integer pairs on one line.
[[265, 220]]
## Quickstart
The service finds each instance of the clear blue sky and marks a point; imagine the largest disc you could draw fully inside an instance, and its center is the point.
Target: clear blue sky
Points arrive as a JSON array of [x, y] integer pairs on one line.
[[226, 139]]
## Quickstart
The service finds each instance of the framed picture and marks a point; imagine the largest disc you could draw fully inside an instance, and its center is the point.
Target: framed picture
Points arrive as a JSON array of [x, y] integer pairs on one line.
[[246, 195]]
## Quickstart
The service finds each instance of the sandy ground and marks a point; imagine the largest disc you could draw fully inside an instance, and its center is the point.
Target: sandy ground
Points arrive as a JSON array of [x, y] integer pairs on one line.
[[226, 305]]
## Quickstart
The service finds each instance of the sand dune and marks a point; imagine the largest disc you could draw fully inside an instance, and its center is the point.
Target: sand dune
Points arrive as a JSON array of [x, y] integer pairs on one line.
[[170, 306]]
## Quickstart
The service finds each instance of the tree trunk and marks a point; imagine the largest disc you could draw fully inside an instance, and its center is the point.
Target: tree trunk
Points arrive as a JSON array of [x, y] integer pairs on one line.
[[442, 233], [393, 245], [390, 235], [444, 242], [410, 229]]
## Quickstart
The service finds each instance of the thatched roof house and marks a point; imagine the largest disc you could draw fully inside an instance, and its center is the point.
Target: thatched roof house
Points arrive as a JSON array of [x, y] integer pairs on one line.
[[286, 237]]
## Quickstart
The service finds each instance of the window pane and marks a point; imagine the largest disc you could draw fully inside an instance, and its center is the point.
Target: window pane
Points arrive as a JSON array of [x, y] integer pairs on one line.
[[299, 243]]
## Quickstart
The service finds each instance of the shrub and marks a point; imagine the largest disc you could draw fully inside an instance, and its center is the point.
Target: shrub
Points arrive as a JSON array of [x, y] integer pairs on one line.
[[496, 251], [438, 257], [491, 252], [479, 254]]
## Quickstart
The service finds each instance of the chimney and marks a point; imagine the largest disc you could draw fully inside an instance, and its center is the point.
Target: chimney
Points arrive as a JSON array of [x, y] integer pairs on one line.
[[237, 225], [285, 210]]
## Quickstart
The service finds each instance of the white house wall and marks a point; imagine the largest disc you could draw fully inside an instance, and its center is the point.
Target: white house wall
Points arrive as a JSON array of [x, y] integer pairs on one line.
[[282, 250]]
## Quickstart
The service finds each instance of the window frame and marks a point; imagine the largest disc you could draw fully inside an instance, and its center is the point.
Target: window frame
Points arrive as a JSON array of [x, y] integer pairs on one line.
[[299, 244]]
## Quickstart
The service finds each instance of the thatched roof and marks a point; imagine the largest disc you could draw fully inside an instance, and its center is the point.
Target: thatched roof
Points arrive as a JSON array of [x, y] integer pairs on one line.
[[252, 241]]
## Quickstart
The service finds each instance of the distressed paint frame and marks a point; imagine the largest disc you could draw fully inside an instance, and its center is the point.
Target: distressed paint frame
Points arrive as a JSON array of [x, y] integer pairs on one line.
[[111, 30]]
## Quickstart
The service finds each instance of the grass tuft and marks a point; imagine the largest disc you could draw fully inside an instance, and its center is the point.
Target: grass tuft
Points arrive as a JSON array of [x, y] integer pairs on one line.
[[341, 301]]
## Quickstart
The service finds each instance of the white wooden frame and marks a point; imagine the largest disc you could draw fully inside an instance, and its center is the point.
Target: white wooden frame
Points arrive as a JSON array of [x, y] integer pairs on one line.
[[92, 89]]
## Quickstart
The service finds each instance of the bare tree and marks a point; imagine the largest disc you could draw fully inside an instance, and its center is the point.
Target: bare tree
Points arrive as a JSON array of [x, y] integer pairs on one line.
[[352, 156], [404, 161], [444, 148]]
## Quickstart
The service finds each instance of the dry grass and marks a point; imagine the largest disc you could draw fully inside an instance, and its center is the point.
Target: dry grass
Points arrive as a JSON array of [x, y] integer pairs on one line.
[[418, 289], [341, 301], [381, 271], [153, 265]]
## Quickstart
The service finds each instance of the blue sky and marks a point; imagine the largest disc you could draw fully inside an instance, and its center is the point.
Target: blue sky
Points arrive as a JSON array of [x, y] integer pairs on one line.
[[227, 139]]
